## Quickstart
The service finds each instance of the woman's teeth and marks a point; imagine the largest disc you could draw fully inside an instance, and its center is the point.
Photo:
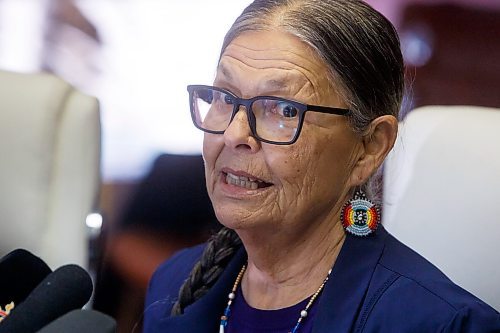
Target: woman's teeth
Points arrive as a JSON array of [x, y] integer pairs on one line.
[[251, 184]]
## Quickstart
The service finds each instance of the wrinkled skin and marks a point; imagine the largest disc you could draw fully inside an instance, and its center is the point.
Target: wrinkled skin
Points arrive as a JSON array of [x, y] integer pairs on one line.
[[290, 229], [308, 177]]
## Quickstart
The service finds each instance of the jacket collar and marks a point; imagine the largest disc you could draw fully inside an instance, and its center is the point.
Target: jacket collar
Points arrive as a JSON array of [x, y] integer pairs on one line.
[[339, 305], [204, 315], [346, 288]]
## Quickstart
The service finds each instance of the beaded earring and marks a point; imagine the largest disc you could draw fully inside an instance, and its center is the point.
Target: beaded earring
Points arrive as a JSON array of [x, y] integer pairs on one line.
[[359, 216]]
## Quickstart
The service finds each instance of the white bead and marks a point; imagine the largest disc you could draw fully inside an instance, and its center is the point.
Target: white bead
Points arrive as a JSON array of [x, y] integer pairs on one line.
[[303, 313], [231, 295]]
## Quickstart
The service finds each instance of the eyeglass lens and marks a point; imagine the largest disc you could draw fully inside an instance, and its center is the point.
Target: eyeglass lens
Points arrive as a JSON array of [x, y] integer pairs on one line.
[[275, 119]]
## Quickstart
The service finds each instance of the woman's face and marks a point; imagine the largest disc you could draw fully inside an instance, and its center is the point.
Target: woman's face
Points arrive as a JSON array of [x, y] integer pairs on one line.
[[298, 185]]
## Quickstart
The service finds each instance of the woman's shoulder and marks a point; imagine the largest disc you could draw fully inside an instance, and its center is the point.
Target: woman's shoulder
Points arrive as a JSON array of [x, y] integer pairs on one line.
[[406, 288], [180, 264], [168, 278]]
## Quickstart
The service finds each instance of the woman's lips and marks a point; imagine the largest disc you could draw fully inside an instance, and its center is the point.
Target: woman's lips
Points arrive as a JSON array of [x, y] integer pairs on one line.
[[241, 179]]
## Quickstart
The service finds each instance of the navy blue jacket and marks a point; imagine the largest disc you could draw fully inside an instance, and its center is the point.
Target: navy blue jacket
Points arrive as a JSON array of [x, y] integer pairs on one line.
[[377, 285]]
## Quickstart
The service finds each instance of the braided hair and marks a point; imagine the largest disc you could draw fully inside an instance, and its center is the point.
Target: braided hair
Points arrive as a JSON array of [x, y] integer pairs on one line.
[[220, 249], [361, 49]]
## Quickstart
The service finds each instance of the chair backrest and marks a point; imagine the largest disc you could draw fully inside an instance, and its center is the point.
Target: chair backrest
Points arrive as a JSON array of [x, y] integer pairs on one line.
[[442, 193], [49, 166]]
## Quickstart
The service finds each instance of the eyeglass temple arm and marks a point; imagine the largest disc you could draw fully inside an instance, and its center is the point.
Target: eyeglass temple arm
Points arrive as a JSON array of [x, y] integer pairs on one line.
[[327, 109]]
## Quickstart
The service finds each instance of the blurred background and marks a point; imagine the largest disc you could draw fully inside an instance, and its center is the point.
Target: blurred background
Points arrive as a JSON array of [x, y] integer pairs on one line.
[[137, 56]]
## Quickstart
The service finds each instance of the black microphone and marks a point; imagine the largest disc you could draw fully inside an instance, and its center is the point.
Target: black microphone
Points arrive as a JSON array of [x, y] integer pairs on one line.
[[20, 273], [81, 321], [67, 288]]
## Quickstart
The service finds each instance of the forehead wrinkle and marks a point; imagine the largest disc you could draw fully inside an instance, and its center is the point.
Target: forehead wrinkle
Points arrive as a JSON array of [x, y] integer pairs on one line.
[[303, 72], [310, 57], [278, 83], [303, 87], [271, 84]]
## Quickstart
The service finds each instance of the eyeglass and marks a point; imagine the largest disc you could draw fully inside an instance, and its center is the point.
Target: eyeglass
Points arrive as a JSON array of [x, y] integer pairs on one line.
[[272, 119]]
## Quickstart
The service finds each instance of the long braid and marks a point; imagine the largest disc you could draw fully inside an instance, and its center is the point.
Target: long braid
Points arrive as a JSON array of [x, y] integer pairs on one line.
[[220, 249]]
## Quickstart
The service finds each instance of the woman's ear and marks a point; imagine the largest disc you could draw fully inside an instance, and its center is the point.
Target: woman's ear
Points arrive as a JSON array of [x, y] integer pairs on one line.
[[377, 141]]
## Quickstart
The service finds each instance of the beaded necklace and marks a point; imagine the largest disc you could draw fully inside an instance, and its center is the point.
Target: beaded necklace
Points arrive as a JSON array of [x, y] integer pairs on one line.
[[225, 317]]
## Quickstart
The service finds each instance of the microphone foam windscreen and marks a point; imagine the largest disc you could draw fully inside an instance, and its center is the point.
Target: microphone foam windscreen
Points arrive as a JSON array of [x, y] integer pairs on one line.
[[82, 321], [67, 288], [20, 273]]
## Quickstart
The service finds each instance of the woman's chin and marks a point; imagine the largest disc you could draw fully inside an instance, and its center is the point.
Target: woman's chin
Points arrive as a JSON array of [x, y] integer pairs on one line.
[[238, 218], [229, 220]]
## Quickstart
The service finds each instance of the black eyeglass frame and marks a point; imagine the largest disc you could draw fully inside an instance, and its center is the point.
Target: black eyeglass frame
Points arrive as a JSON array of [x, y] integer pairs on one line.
[[238, 102]]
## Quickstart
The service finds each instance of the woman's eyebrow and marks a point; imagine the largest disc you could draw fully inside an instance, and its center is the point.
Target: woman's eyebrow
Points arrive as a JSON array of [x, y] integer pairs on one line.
[[275, 84], [224, 71]]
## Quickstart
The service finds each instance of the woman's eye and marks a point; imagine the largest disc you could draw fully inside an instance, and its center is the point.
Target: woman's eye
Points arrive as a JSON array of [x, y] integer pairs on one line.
[[287, 110], [228, 99]]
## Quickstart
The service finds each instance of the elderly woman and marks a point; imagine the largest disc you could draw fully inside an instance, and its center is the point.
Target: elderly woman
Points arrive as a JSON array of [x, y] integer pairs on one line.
[[301, 114]]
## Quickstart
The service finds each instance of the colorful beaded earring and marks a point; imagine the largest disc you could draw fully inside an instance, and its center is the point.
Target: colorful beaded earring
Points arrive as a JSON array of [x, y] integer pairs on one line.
[[359, 216]]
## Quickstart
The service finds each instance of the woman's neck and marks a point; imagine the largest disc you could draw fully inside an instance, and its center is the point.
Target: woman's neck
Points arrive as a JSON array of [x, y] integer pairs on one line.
[[285, 268]]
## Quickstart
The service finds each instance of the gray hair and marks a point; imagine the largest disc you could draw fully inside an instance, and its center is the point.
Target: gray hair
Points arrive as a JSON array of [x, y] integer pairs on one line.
[[361, 49], [359, 45]]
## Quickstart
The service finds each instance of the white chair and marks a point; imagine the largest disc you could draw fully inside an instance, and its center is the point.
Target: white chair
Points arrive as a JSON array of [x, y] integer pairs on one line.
[[49, 167], [442, 193]]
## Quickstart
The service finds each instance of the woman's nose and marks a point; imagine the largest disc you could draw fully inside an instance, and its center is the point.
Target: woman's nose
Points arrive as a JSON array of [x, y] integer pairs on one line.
[[238, 135]]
